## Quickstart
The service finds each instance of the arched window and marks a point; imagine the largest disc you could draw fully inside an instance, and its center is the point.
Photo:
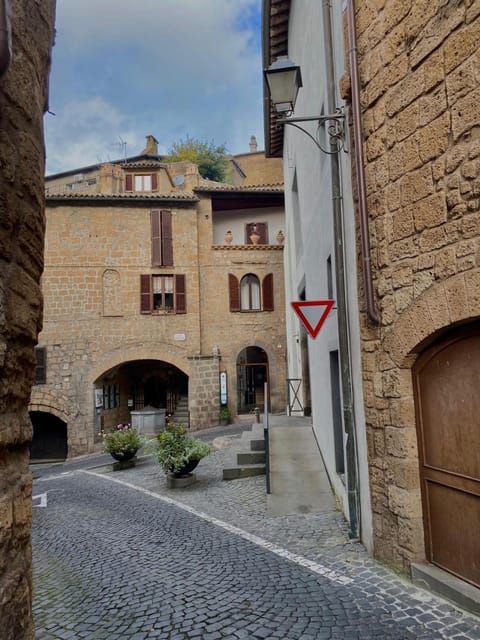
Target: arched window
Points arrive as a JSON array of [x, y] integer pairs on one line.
[[246, 295], [250, 293]]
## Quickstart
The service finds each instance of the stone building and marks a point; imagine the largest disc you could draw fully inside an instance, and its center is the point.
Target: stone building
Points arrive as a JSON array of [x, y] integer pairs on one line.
[[149, 302], [26, 36], [411, 78]]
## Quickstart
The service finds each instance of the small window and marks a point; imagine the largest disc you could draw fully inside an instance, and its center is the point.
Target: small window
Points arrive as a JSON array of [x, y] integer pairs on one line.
[[141, 182], [111, 396], [248, 295], [162, 294], [256, 233], [41, 365]]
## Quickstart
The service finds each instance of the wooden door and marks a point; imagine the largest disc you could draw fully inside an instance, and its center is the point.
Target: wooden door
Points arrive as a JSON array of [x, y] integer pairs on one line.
[[447, 396]]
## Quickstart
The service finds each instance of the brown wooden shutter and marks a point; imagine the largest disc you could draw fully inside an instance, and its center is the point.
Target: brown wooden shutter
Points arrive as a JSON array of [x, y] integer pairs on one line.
[[267, 292], [180, 294], [167, 243], [156, 233], [154, 182], [145, 294], [41, 365], [129, 182], [234, 292]]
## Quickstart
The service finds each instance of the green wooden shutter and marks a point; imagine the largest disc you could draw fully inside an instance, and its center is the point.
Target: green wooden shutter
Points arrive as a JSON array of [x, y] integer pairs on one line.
[[167, 241], [145, 294], [156, 236], [234, 292], [180, 294], [267, 293]]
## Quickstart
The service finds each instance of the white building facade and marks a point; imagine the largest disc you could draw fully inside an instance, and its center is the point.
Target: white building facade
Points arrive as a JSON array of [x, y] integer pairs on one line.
[[320, 248]]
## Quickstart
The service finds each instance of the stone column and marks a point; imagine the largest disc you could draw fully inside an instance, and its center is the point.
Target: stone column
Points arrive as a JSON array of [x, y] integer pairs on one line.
[[204, 391], [23, 98]]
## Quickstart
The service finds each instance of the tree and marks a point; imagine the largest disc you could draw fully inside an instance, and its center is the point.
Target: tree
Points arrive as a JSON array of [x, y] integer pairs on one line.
[[211, 159]]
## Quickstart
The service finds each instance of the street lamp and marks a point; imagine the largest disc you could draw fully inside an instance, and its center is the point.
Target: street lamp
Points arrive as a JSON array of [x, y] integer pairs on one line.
[[284, 79]]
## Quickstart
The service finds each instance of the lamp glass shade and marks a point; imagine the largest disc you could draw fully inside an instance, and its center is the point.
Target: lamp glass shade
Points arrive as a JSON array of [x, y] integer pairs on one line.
[[284, 80]]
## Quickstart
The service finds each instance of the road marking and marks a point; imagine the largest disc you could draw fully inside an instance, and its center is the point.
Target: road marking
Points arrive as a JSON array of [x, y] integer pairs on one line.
[[43, 500], [261, 542]]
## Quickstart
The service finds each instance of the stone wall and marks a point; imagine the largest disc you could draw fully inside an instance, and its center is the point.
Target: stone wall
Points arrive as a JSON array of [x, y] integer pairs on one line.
[[420, 94], [23, 97]]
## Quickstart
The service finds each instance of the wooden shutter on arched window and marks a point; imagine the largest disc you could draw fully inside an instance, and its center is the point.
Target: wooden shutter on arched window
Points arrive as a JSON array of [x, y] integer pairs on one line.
[[145, 294], [128, 182], [267, 292], [234, 292], [180, 294]]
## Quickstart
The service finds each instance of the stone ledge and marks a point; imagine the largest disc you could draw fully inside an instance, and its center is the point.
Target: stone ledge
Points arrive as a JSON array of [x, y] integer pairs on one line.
[[446, 585], [178, 483]]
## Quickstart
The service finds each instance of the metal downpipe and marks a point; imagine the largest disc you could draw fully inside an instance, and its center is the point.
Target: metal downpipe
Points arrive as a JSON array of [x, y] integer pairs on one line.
[[5, 35], [343, 337], [359, 165]]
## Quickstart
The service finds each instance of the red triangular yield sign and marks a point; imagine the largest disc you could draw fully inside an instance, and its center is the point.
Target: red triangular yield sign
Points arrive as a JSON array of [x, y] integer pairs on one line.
[[313, 314]]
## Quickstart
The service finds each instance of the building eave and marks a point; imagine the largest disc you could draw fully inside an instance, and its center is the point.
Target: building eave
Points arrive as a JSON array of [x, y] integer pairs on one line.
[[275, 17]]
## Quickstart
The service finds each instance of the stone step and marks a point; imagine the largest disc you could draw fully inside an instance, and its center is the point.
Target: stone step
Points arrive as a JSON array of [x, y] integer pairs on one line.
[[251, 457], [257, 445], [243, 471]]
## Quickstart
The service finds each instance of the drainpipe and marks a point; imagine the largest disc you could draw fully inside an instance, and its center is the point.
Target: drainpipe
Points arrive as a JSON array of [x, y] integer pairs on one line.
[[343, 336], [359, 164], [5, 35]]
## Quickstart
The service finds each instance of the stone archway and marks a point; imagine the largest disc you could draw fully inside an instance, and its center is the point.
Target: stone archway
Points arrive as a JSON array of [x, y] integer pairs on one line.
[[390, 410]]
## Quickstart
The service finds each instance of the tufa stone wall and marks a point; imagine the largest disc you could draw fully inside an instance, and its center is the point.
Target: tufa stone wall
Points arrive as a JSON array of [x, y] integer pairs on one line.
[[23, 96], [420, 96]]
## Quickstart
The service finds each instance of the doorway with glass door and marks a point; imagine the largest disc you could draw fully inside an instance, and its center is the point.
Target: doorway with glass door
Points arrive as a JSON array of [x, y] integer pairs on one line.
[[252, 374]]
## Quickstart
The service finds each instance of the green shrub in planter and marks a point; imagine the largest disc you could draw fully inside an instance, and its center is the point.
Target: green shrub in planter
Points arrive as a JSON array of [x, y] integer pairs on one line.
[[174, 450]]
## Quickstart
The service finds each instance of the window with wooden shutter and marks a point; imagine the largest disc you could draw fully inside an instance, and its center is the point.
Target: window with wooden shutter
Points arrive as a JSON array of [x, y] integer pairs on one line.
[[267, 292], [154, 182], [161, 234], [234, 292], [250, 293], [41, 365], [129, 182], [180, 294], [145, 294], [162, 294], [261, 228]]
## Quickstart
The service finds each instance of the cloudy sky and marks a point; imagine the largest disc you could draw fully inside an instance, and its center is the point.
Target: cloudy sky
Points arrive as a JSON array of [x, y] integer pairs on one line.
[[171, 68]]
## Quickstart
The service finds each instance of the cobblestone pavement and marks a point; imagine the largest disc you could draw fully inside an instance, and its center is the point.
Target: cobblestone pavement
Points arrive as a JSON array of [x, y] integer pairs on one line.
[[119, 556]]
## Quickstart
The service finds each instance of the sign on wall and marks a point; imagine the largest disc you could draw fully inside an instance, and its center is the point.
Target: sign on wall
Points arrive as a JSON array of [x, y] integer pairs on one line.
[[223, 387], [313, 314]]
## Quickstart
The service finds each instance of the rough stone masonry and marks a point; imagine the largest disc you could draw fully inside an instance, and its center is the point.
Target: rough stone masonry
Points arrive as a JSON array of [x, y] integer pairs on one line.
[[23, 99]]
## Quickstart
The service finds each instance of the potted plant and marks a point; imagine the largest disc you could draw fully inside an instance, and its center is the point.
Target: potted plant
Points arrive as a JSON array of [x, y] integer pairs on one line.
[[123, 442], [177, 453], [224, 415]]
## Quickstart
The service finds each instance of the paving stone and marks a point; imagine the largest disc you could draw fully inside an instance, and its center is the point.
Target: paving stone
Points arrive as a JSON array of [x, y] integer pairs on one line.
[[112, 563]]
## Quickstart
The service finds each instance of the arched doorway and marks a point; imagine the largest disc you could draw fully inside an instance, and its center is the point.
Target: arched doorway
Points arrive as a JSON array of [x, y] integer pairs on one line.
[[49, 437], [252, 373], [447, 383]]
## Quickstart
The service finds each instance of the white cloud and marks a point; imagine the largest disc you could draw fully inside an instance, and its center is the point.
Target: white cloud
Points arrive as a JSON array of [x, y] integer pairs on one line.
[[165, 67]]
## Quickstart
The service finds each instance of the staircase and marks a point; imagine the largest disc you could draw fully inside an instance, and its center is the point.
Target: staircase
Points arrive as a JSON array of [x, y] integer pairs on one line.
[[250, 457], [181, 414]]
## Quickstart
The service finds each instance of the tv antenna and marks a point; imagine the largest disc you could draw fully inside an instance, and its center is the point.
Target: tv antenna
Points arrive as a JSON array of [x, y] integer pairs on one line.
[[122, 144]]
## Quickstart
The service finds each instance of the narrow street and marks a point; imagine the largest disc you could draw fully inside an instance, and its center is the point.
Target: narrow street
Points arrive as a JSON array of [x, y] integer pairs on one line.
[[118, 556]]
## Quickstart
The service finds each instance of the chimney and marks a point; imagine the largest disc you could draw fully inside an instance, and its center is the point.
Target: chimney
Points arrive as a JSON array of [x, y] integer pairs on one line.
[[152, 147], [253, 144]]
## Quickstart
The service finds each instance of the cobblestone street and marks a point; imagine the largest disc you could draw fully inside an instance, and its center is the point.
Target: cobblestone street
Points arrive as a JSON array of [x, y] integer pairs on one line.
[[118, 556]]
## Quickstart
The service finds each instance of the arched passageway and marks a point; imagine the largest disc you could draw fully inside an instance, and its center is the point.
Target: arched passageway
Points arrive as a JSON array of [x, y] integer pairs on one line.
[[49, 437]]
